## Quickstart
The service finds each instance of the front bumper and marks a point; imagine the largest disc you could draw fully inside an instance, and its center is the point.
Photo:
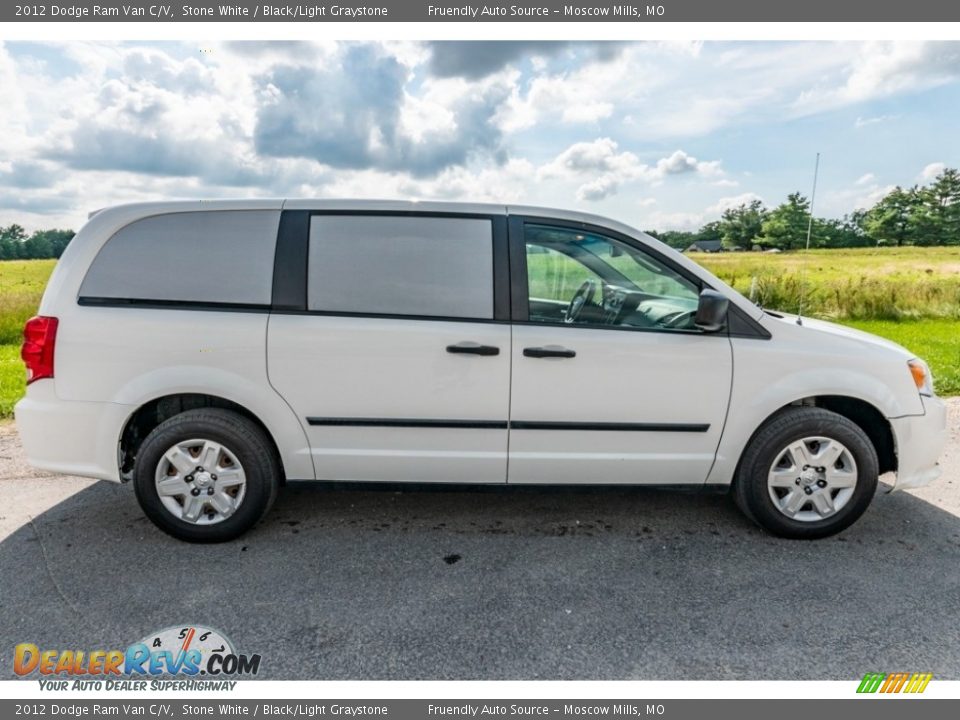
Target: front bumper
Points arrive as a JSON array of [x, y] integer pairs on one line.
[[920, 439], [70, 437]]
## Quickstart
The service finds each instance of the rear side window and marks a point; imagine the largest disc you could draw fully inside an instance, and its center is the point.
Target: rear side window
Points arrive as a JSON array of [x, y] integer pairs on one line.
[[391, 265], [217, 256]]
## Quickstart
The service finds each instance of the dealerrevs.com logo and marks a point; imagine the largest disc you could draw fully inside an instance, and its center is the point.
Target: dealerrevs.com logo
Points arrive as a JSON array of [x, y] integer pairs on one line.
[[185, 653], [898, 682]]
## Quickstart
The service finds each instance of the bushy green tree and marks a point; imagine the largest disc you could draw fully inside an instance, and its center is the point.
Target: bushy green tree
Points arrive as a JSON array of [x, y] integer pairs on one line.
[[741, 226], [891, 221], [11, 242], [710, 231], [677, 239], [15, 244], [52, 242], [785, 227], [936, 214], [682, 239], [846, 232]]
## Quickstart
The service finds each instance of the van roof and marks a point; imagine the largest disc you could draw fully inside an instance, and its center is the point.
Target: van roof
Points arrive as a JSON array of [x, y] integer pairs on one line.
[[145, 209]]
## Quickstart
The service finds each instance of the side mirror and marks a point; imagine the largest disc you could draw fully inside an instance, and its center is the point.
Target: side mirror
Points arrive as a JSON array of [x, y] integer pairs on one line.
[[711, 311]]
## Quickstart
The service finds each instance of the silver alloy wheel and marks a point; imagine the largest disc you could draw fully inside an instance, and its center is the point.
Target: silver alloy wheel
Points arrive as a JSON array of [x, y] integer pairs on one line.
[[200, 482], [812, 479]]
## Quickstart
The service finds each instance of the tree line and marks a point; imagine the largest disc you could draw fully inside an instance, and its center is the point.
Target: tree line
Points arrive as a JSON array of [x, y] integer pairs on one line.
[[16, 244], [921, 215]]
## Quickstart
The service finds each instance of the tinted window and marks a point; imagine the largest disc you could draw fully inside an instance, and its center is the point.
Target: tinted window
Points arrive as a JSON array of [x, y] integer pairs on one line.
[[424, 266], [213, 257]]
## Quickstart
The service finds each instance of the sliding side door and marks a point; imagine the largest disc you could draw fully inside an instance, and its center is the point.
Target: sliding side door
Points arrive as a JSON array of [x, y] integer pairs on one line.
[[393, 355]]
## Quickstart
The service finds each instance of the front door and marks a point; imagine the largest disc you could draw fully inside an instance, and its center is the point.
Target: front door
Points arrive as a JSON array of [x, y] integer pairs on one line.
[[398, 366], [612, 382]]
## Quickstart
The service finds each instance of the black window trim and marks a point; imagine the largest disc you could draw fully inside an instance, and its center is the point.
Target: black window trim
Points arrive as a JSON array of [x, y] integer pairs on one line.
[[746, 327], [152, 304]]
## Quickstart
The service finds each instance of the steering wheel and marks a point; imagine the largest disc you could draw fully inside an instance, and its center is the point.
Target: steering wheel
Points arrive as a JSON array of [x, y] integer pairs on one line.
[[583, 296], [681, 320]]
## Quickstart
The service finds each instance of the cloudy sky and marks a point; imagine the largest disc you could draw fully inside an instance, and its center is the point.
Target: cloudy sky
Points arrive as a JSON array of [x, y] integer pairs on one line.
[[663, 136]]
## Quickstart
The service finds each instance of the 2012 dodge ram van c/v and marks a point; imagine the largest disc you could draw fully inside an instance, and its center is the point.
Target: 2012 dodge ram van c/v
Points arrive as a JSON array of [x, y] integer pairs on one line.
[[210, 351]]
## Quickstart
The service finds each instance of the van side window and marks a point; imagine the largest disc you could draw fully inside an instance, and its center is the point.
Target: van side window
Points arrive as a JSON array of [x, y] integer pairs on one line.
[[582, 278], [216, 256], [393, 265]]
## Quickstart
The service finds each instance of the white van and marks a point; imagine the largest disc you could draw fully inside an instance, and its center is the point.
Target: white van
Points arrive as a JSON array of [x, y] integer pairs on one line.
[[211, 351]]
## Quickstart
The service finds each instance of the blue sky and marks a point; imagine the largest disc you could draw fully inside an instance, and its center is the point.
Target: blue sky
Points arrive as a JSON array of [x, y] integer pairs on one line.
[[660, 135]]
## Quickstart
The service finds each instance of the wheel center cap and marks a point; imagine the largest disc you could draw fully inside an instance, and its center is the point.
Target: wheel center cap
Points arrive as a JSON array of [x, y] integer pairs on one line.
[[808, 477], [203, 479]]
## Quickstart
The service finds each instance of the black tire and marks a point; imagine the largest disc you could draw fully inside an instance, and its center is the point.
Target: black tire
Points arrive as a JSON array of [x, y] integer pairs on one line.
[[242, 437], [792, 424]]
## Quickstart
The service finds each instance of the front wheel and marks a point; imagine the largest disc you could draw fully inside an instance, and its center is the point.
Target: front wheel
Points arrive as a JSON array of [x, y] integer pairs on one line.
[[206, 475], [807, 473]]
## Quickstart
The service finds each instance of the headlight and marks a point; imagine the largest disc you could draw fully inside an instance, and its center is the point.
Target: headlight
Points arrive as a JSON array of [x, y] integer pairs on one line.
[[921, 376]]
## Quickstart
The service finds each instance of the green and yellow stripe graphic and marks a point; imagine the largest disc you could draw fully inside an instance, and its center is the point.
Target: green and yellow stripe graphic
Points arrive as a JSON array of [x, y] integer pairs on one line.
[[894, 682]]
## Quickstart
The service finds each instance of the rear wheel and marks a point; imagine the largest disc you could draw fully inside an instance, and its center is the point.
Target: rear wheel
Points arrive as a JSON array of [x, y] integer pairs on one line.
[[807, 473], [206, 475]]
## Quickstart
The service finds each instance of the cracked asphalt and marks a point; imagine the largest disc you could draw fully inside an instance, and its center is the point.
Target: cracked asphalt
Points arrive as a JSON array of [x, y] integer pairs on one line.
[[621, 584]]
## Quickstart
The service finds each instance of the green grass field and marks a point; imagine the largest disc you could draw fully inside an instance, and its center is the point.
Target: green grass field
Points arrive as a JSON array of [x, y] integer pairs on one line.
[[21, 285], [909, 295], [12, 378], [854, 284], [936, 341]]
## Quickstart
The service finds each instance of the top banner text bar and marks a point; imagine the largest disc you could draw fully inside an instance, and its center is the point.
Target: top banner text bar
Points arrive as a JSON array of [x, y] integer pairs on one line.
[[529, 11]]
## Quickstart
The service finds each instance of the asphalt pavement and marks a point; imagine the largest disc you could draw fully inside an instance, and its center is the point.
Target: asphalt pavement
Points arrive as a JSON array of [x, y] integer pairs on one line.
[[539, 584]]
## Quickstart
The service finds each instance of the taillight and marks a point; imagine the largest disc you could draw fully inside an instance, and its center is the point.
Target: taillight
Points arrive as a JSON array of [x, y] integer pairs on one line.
[[39, 338]]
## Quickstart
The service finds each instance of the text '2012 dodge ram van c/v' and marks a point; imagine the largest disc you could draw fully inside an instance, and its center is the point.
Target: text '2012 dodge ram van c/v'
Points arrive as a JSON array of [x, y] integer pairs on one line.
[[210, 351]]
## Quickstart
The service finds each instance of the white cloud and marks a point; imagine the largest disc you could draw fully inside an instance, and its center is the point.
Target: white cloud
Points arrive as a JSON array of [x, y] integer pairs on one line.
[[677, 163], [881, 69], [602, 168], [726, 203], [584, 95], [89, 124], [598, 189], [689, 221], [863, 194], [673, 221], [600, 155], [14, 118], [599, 166], [872, 196], [680, 162], [862, 122], [930, 172]]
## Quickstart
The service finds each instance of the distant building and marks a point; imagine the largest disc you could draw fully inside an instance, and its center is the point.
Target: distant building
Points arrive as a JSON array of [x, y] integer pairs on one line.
[[710, 246]]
